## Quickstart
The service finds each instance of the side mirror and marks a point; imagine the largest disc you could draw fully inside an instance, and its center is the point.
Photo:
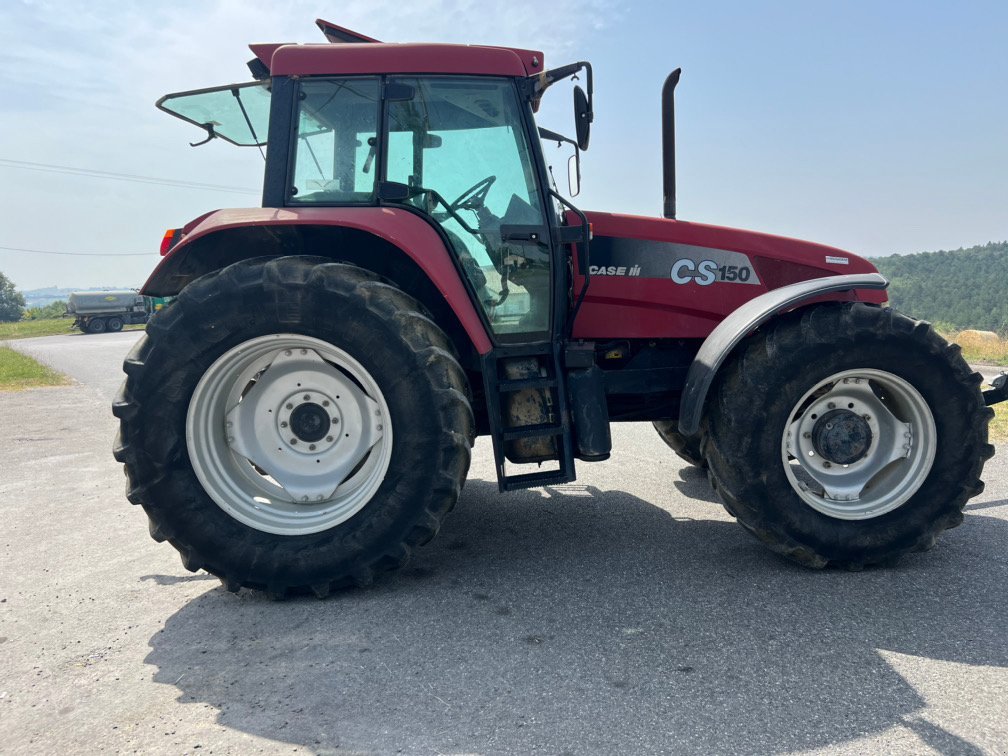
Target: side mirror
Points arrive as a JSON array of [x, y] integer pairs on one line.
[[582, 117], [574, 174]]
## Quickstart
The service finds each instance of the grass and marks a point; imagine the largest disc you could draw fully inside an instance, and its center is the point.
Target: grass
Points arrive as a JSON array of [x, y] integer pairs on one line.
[[28, 329], [18, 371], [998, 428], [990, 351]]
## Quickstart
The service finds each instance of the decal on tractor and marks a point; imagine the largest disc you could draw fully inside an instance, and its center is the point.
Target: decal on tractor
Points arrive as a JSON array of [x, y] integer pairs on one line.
[[683, 263]]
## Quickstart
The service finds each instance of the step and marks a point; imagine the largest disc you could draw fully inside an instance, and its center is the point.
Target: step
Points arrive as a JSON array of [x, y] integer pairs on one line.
[[518, 384], [531, 431]]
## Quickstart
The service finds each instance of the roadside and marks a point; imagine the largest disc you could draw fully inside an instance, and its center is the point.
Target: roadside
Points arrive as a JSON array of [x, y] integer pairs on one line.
[[19, 372], [29, 329]]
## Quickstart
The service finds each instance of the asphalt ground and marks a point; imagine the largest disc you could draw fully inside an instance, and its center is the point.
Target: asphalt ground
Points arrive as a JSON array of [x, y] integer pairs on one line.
[[626, 613]]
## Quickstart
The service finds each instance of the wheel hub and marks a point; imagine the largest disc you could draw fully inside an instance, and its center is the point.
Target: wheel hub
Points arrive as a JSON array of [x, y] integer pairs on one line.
[[289, 434], [841, 436], [859, 444]]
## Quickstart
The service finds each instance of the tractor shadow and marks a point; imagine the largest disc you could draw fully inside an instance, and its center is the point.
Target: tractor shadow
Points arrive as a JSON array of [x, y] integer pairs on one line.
[[572, 619]]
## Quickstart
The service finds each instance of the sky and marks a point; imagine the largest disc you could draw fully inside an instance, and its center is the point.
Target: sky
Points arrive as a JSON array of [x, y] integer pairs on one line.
[[875, 127]]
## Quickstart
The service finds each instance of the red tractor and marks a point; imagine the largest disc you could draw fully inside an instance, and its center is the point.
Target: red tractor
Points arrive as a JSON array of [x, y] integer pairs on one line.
[[302, 417]]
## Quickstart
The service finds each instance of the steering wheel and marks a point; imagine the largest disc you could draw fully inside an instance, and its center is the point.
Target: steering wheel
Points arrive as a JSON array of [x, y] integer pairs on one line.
[[474, 197]]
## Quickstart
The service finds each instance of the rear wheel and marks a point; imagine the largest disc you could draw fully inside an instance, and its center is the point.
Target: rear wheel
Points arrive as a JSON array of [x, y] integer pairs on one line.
[[847, 435], [95, 325], [686, 448], [294, 425], [114, 324]]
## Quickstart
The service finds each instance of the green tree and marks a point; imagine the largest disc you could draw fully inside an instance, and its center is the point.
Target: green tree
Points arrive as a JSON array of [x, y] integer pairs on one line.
[[11, 301]]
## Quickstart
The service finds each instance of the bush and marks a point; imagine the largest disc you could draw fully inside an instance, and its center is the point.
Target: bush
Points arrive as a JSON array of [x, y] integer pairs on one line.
[[48, 312], [11, 301]]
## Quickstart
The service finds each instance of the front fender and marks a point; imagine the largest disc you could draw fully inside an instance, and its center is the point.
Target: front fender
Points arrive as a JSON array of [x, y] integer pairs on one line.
[[741, 322]]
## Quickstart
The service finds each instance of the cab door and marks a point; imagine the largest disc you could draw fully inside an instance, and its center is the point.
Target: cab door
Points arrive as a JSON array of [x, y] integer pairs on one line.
[[461, 149]]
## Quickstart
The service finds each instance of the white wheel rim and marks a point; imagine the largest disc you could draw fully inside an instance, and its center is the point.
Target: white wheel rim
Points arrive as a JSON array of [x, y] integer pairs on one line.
[[252, 434], [899, 445]]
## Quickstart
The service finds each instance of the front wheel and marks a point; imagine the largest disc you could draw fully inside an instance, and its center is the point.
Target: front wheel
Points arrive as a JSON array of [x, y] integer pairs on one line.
[[847, 435], [687, 448], [294, 425]]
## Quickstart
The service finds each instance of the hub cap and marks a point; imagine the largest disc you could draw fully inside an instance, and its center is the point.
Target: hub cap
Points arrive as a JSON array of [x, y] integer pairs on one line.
[[859, 444], [289, 434]]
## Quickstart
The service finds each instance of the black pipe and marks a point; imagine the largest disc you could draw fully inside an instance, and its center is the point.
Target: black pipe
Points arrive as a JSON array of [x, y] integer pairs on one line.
[[668, 141]]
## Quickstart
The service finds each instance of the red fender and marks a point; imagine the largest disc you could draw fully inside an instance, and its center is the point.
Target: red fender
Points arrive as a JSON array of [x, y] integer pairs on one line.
[[410, 233]]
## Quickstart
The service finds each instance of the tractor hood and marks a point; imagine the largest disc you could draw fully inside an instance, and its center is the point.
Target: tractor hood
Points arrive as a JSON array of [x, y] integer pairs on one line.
[[777, 260], [662, 278]]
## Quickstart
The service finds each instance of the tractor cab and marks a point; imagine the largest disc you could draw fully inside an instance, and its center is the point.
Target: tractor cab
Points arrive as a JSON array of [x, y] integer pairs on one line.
[[462, 152]]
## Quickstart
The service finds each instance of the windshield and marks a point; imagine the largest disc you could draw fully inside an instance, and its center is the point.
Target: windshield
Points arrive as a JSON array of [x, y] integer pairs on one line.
[[237, 113]]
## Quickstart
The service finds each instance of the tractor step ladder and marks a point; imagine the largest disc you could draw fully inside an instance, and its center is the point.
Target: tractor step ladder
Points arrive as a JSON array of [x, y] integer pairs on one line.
[[496, 387]]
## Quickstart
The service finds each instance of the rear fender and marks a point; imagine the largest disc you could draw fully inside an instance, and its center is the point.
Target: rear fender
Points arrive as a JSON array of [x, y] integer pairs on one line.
[[743, 321], [358, 235]]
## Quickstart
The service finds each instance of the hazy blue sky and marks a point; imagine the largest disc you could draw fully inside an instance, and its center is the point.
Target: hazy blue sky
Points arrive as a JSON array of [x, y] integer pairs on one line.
[[874, 126]]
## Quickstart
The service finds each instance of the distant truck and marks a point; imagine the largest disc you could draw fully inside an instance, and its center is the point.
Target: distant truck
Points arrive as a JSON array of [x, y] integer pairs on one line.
[[100, 311]]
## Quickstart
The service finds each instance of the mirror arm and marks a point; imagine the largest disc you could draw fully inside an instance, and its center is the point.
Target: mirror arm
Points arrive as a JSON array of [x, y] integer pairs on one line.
[[547, 79]]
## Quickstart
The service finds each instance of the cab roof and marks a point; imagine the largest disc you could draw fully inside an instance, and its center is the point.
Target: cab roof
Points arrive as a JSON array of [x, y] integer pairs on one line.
[[350, 52], [386, 57]]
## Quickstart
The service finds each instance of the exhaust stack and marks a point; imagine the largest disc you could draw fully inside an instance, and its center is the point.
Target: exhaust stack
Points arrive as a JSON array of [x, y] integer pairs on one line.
[[668, 141]]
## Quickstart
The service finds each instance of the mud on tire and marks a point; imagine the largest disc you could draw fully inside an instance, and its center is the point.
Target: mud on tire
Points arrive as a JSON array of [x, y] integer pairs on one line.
[[751, 407], [381, 327]]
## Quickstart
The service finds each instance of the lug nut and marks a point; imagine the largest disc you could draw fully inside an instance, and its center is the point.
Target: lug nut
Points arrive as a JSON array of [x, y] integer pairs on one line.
[[304, 351], [307, 397], [831, 405], [328, 439], [325, 403], [311, 447], [806, 435], [290, 406], [288, 352], [826, 464], [378, 427], [335, 420], [293, 442], [867, 418], [283, 424]]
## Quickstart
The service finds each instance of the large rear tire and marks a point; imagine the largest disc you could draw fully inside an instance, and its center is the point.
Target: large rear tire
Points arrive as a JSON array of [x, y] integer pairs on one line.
[[95, 325], [293, 425], [846, 435]]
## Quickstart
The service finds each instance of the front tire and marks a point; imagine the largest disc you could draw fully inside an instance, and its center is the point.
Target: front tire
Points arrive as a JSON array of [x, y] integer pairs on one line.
[[687, 448], [847, 435], [225, 456]]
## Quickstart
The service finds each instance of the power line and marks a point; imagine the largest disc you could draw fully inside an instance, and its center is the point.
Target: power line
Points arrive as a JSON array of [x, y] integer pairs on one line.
[[79, 254], [131, 177]]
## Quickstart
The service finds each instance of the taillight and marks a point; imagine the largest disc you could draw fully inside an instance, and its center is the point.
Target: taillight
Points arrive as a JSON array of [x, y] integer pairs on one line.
[[171, 236]]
